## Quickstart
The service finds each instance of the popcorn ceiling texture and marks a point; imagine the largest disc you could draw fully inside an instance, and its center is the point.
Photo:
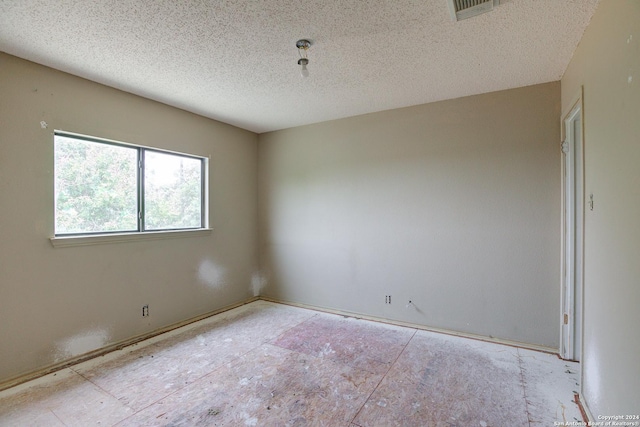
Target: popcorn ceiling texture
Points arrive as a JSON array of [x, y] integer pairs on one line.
[[236, 61]]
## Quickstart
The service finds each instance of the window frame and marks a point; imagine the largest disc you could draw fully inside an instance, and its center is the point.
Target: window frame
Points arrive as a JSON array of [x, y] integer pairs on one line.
[[96, 237]]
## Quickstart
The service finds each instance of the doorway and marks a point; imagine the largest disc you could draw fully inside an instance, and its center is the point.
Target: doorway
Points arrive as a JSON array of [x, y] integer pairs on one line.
[[572, 147]]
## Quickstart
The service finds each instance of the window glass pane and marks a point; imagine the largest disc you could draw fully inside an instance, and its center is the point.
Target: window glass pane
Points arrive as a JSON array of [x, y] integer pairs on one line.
[[172, 191], [95, 187]]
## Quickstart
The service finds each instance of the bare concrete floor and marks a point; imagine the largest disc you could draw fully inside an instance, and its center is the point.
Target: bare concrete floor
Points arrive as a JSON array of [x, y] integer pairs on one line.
[[266, 364]]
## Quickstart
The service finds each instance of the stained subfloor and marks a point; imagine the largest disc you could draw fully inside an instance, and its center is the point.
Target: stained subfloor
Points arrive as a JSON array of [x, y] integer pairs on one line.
[[266, 364]]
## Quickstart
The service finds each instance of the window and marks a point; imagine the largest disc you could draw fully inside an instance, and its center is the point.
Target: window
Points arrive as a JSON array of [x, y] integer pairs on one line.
[[106, 187]]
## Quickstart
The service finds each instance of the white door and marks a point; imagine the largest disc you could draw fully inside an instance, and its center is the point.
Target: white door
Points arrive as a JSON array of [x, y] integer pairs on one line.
[[573, 238]]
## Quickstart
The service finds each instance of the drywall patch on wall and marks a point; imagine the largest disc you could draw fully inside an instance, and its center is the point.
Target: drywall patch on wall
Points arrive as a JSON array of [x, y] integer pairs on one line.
[[211, 274], [84, 342], [258, 282]]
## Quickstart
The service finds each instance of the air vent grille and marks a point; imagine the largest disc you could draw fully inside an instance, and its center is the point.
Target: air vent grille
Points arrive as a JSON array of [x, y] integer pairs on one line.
[[465, 4], [463, 9]]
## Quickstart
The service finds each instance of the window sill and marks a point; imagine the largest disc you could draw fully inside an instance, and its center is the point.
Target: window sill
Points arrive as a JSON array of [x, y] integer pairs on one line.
[[101, 239]]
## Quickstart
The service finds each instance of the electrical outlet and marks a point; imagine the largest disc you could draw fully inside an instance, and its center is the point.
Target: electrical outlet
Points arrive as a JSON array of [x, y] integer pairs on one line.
[[145, 310], [387, 299]]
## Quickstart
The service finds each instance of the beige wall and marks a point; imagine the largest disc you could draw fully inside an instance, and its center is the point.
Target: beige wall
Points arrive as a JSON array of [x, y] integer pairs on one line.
[[56, 303], [453, 205], [607, 64]]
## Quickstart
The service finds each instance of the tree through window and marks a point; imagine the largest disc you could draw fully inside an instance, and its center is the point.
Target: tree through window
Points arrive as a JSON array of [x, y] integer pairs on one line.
[[108, 187]]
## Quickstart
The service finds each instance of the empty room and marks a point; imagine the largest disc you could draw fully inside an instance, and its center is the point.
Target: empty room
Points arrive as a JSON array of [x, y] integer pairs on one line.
[[324, 213]]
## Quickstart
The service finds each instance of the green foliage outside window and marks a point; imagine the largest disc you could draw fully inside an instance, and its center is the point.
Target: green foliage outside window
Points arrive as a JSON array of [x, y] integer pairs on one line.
[[172, 191], [98, 188]]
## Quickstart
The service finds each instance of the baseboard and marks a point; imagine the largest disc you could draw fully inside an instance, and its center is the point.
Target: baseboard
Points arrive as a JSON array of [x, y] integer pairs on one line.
[[121, 344], [584, 409], [113, 347], [518, 344]]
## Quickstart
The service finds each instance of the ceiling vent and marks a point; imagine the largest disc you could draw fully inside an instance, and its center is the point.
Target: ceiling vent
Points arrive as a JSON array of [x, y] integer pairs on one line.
[[463, 9]]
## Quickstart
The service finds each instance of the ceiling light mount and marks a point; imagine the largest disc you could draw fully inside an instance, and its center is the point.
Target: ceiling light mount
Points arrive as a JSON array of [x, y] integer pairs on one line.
[[303, 46]]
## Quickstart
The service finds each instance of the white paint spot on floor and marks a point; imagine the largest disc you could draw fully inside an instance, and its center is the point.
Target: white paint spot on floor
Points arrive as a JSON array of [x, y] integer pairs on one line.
[[81, 343], [248, 420], [44, 124], [630, 79], [258, 282], [244, 381], [211, 274], [326, 350]]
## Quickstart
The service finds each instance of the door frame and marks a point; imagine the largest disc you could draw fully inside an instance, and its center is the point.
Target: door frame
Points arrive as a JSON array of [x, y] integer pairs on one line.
[[573, 203]]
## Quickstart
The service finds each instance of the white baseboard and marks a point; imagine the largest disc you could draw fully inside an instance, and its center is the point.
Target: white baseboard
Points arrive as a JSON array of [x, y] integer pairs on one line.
[[586, 412], [511, 343]]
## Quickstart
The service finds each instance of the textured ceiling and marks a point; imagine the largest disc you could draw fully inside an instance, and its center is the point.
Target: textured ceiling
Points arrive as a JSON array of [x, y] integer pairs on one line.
[[236, 61]]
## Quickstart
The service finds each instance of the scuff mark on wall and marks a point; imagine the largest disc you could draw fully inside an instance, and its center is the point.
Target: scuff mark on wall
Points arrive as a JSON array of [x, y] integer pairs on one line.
[[258, 283], [81, 343], [211, 274]]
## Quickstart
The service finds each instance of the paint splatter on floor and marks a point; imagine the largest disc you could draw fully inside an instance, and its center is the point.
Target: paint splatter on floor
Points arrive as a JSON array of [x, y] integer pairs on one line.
[[441, 381], [366, 345], [266, 364]]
